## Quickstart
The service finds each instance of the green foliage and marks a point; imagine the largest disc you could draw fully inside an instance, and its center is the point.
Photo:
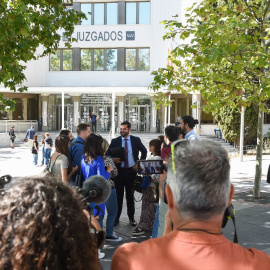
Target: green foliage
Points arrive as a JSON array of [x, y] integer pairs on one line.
[[228, 121], [221, 52], [25, 26]]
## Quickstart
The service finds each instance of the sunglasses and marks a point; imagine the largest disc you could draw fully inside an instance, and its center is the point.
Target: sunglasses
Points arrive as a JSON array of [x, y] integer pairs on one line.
[[175, 144]]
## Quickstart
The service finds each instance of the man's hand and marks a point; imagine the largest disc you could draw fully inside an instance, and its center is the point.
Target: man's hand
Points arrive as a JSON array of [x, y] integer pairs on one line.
[[168, 223], [134, 167], [117, 160]]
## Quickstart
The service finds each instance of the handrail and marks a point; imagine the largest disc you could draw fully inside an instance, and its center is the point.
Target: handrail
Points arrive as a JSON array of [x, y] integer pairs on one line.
[[20, 125]]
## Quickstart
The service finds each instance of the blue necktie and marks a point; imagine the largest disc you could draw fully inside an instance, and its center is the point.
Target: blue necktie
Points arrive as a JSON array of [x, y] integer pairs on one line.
[[126, 154]]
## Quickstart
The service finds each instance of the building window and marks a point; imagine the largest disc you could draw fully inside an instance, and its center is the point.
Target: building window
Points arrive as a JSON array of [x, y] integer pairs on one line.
[[55, 61], [111, 59], [131, 17], [137, 59], [103, 59], [86, 59], [138, 13], [99, 14], [67, 59], [87, 8], [144, 13], [144, 59], [112, 13], [61, 60], [98, 59]]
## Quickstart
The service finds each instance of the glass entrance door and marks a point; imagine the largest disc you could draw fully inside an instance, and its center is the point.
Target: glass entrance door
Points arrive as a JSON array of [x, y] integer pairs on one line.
[[68, 117], [139, 118]]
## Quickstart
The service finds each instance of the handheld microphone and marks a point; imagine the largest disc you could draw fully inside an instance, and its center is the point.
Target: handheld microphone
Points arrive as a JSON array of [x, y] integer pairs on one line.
[[96, 189]]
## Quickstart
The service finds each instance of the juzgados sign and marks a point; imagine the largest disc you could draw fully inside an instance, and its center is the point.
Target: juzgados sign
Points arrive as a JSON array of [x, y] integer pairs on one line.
[[103, 36]]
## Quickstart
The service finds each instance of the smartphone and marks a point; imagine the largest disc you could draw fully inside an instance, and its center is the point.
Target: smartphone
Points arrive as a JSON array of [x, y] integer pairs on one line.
[[150, 166]]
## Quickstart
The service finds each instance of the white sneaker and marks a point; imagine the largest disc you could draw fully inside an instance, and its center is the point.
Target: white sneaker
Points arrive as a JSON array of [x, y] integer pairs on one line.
[[101, 255], [114, 238]]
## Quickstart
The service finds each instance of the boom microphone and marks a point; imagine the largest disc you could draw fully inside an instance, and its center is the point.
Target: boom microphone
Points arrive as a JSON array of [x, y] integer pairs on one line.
[[96, 189]]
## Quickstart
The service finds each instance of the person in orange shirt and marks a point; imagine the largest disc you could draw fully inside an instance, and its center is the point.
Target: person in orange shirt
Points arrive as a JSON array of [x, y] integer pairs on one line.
[[198, 191]]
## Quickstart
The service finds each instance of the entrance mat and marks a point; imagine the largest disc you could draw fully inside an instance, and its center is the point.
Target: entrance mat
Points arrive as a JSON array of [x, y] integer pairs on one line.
[[247, 196]]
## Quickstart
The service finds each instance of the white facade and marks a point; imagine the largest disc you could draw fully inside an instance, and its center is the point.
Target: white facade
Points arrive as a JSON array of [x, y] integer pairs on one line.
[[119, 84]]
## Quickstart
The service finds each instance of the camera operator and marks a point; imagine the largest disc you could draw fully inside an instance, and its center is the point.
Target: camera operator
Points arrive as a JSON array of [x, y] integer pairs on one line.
[[198, 191], [42, 226]]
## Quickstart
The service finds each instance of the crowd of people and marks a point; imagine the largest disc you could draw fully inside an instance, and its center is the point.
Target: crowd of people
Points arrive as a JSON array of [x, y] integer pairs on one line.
[[43, 224]]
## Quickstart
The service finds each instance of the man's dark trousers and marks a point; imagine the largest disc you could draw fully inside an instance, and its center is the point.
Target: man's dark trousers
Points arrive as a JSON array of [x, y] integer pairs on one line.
[[125, 180]]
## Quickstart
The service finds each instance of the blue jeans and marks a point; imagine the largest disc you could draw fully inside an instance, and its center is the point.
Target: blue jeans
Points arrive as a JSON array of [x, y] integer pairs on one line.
[[156, 224], [43, 155], [111, 205], [47, 155], [35, 156]]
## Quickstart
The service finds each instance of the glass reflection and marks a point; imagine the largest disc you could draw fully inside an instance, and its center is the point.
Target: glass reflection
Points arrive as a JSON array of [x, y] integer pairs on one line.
[[130, 59], [112, 13], [67, 59], [86, 59], [86, 8], [55, 61], [98, 59], [99, 14], [144, 59], [111, 59], [144, 13], [130, 13]]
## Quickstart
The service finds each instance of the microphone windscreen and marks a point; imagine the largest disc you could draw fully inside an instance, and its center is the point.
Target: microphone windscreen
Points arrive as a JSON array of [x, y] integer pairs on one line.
[[96, 189]]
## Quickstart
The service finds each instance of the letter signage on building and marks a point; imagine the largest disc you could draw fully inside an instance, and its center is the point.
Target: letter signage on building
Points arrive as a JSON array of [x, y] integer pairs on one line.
[[102, 36]]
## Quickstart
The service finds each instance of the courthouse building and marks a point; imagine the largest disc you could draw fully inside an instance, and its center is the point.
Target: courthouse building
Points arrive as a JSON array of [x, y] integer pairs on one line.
[[107, 71]]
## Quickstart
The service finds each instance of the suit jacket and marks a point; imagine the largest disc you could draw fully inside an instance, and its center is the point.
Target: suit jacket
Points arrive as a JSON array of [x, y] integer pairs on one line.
[[136, 144]]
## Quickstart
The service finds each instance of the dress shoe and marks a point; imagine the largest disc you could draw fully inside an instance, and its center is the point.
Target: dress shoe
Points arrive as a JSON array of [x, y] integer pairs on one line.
[[132, 222], [116, 222]]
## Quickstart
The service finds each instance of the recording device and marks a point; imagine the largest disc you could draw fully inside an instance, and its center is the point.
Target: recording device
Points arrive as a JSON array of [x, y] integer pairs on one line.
[[150, 166], [96, 189]]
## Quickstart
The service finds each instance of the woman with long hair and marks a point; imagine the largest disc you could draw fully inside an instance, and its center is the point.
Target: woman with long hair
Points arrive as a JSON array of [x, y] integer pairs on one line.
[[92, 164], [148, 211], [35, 149], [60, 163], [42, 226]]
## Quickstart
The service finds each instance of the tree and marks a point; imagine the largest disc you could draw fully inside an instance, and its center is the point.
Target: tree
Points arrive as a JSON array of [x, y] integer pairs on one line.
[[26, 25], [228, 120], [225, 56]]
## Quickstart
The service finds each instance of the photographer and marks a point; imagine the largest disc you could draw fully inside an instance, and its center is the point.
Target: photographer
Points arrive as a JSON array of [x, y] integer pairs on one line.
[[42, 226], [198, 191]]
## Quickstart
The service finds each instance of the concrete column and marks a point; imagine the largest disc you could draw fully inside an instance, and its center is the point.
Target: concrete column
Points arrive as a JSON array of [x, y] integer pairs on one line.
[[153, 115], [76, 111], [25, 109], [196, 113], [44, 106], [10, 115], [121, 110]]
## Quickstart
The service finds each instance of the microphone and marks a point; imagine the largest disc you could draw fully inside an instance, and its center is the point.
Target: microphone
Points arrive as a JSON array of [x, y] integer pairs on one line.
[[96, 189]]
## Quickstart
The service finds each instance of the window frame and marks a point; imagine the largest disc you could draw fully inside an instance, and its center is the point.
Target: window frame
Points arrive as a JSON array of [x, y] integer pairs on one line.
[[136, 59]]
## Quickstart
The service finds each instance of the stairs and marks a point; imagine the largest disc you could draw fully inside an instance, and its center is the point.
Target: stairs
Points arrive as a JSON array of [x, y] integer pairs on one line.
[[230, 149]]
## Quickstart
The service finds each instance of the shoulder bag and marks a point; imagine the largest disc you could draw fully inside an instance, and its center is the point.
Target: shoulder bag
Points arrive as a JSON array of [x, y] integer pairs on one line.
[[47, 172]]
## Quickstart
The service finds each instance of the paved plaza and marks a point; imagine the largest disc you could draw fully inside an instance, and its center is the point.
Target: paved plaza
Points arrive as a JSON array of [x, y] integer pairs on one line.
[[252, 216]]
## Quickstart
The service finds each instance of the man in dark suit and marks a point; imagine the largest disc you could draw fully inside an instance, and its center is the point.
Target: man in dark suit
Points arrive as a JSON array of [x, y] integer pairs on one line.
[[127, 170]]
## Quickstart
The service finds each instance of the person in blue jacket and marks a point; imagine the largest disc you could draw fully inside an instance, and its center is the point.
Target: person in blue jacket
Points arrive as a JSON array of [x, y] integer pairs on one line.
[[92, 163], [76, 149]]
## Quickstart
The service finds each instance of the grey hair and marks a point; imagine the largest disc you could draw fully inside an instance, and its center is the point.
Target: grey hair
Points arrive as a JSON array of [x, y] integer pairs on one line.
[[201, 184]]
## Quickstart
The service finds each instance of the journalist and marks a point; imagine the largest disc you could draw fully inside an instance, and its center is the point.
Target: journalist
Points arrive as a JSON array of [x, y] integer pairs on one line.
[[198, 191], [42, 226]]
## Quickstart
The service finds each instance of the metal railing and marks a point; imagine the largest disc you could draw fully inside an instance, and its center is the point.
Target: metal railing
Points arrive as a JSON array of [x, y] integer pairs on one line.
[[20, 125]]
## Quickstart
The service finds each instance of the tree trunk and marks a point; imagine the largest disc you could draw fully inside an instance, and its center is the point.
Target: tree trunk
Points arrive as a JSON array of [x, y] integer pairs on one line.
[[258, 173]]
